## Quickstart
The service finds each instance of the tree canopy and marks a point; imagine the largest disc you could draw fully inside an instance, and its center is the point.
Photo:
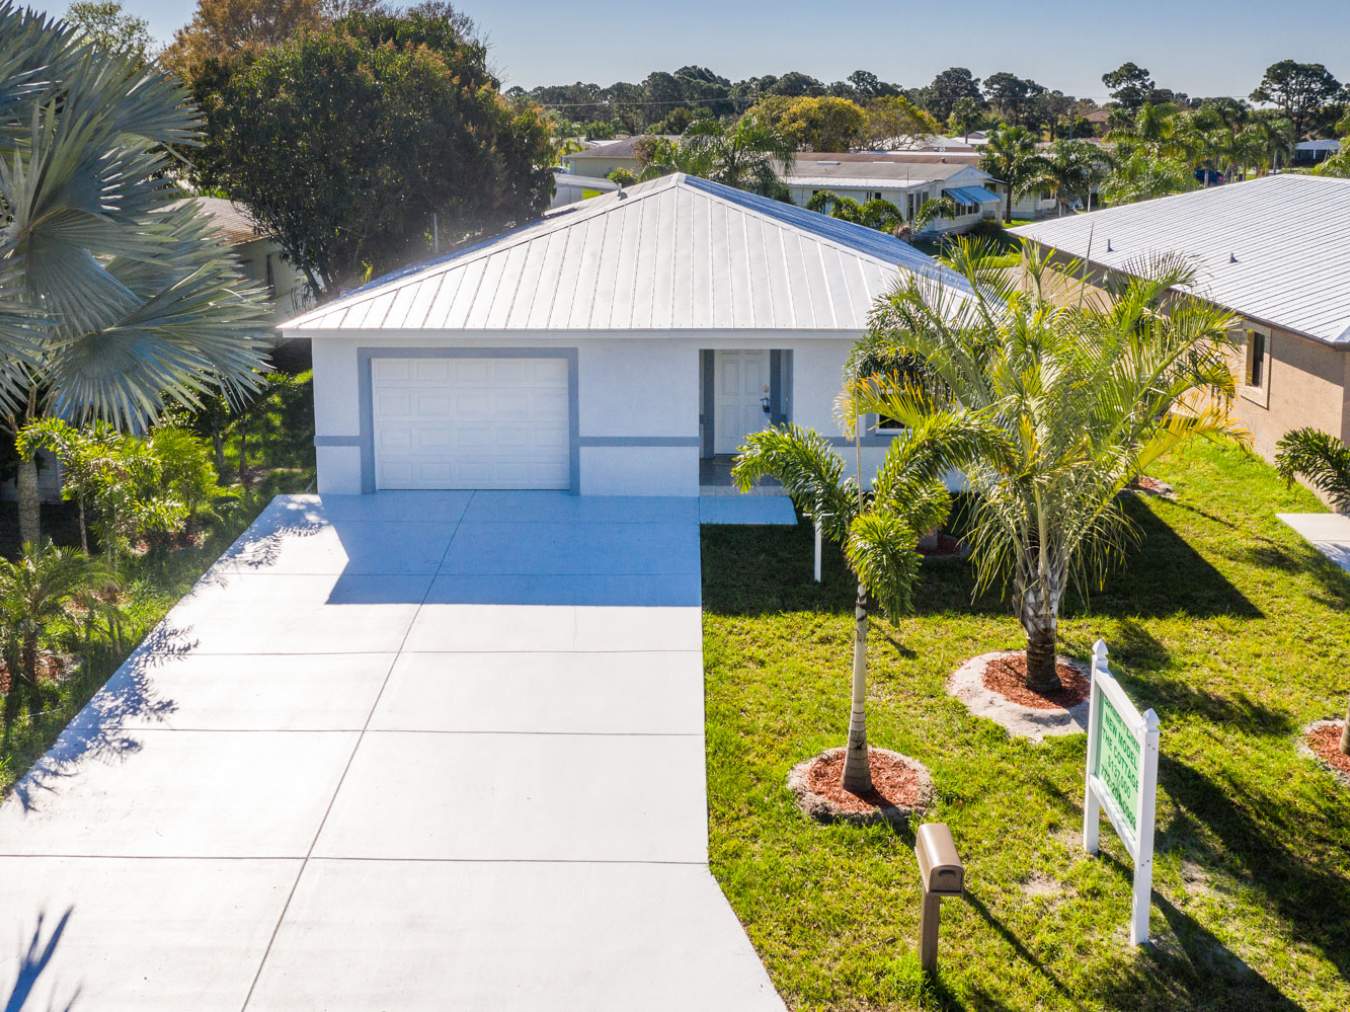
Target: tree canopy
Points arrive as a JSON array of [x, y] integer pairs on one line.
[[385, 127]]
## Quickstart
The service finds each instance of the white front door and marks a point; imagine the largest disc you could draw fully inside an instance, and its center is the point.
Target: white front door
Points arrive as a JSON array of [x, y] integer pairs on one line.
[[471, 422], [741, 385]]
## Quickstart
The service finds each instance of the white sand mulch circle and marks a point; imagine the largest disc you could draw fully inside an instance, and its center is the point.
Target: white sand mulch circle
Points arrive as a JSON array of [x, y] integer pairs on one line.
[[1305, 749], [967, 685], [902, 787]]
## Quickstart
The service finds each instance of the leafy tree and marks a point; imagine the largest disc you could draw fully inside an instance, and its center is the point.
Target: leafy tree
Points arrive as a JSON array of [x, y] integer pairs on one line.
[[1299, 90], [113, 303], [1066, 171], [895, 120], [1071, 403], [1012, 96], [221, 29], [966, 116], [107, 25], [1130, 86], [622, 176], [824, 124], [1010, 156], [867, 86], [949, 87], [1141, 175], [794, 84], [876, 213], [878, 530], [349, 142], [35, 591]]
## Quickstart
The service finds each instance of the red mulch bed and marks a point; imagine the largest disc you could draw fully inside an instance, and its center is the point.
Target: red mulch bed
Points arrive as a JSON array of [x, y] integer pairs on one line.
[[894, 784], [1152, 486], [1325, 741], [1008, 677]]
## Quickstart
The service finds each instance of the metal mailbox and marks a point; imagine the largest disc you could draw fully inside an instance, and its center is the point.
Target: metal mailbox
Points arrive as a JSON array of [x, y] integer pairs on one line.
[[940, 870]]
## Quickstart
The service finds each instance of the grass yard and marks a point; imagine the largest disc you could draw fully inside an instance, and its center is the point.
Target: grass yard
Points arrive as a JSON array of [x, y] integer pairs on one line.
[[1225, 622]]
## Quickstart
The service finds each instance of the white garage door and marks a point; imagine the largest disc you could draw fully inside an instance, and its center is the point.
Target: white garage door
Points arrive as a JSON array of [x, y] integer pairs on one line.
[[471, 422]]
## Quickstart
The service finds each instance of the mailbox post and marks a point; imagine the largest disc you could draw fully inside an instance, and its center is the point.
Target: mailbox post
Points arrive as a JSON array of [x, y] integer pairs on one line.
[[941, 874]]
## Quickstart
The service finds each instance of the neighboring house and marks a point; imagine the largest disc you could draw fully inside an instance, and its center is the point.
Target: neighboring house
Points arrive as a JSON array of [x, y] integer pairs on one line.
[[569, 188], [259, 254], [1273, 251], [601, 159], [1315, 152], [623, 345], [906, 183]]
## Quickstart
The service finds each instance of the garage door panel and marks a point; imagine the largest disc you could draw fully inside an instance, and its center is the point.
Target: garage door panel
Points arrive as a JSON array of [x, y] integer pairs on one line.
[[471, 423]]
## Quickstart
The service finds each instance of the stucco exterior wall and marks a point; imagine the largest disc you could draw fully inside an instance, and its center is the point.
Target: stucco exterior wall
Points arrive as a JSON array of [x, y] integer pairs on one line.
[[638, 402], [1305, 386]]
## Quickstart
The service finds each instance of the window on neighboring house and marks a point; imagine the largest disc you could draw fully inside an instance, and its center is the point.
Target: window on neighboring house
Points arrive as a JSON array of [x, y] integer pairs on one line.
[[1257, 353], [877, 195], [888, 426]]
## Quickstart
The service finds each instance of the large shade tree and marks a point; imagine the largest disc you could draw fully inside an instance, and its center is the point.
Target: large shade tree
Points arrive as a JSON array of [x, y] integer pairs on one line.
[[746, 155], [1084, 393], [369, 142], [114, 299]]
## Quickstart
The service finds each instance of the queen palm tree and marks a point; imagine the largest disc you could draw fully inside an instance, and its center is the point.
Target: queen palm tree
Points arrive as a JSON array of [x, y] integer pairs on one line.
[[1324, 462], [1010, 156], [746, 155], [1085, 396], [877, 528], [112, 302], [1063, 172]]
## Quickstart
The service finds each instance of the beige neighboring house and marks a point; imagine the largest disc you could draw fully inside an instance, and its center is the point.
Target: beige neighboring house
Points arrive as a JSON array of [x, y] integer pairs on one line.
[[1275, 251], [259, 254], [864, 176]]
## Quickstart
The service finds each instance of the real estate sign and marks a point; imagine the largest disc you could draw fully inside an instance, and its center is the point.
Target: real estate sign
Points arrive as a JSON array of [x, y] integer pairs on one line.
[[1122, 779]]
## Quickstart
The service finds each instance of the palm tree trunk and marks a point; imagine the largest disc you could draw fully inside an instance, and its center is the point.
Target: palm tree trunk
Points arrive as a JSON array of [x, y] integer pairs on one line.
[[857, 776], [30, 506], [1041, 641], [1345, 732]]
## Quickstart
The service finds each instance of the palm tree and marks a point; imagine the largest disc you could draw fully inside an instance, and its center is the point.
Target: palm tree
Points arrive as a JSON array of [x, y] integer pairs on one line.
[[112, 303], [1010, 156], [1322, 460], [34, 592], [1085, 398], [1064, 171], [747, 155], [878, 529]]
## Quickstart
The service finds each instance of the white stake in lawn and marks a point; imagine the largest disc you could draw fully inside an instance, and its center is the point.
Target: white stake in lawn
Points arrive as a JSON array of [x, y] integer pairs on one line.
[[1122, 778]]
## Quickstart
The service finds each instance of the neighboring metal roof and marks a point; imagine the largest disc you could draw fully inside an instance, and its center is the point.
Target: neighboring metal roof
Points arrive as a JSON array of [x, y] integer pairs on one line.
[[588, 182], [1325, 144], [677, 253], [624, 147], [972, 195], [233, 221], [875, 174], [1274, 249]]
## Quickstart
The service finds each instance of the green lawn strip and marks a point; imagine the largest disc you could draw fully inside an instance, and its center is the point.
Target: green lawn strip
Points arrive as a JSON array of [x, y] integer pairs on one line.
[[1224, 621]]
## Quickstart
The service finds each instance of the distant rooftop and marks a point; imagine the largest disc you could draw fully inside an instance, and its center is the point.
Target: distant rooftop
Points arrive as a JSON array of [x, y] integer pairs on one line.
[[1273, 249], [233, 221]]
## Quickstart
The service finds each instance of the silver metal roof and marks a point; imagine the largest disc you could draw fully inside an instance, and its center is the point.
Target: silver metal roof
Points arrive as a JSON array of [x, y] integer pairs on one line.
[[677, 253], [1275, 249]]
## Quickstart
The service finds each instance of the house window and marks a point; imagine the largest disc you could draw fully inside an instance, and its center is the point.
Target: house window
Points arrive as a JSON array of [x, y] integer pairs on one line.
[[877, 195], [1256, 366], [888, 426]]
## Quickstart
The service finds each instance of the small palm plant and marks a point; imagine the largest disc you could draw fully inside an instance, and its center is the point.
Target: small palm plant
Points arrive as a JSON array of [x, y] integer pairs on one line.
[[35, 591], [1085, 396], [1324, 462], [878, 529]]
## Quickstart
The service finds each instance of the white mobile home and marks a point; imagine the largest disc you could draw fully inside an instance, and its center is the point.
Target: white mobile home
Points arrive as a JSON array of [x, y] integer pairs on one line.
[[622, 345]]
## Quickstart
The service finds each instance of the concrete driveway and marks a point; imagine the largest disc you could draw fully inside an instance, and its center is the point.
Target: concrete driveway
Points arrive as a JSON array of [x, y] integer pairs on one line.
[[406, 751]]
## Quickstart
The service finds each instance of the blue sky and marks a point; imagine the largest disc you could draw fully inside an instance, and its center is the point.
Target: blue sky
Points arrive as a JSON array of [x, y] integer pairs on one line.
[[1208, 48]]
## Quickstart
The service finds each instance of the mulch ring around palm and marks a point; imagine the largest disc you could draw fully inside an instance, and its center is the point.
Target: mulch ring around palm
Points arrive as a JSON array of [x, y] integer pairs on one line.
[[901, 787], [994, 686], [1322, 740]]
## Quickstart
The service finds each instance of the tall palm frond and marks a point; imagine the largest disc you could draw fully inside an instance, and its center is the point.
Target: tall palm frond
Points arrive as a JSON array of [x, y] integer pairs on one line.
[[1321, 460]]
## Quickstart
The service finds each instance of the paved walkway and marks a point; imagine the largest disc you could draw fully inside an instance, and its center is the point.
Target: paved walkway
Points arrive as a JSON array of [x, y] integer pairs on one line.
[[407, 751], [1329, 533]]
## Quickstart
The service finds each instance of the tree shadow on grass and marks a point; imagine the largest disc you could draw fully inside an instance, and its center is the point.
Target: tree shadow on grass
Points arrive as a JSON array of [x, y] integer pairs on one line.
[[1313, 901], [1333, 583]]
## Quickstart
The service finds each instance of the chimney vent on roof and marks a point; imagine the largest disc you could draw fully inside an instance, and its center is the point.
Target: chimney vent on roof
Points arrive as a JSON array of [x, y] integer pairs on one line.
[[1232, 258], [1108, 246]]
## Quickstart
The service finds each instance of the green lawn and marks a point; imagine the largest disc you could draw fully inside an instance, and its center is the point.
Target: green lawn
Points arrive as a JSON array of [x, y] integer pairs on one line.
[[1225, 622]]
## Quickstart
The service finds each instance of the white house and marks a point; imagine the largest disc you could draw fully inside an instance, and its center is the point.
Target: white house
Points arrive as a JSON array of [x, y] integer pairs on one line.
[[569, 188], [908, 184], [599, 160], [622, 345]]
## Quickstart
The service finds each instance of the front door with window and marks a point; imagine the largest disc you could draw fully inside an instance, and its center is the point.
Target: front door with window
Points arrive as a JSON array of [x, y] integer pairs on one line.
[[741, 385]]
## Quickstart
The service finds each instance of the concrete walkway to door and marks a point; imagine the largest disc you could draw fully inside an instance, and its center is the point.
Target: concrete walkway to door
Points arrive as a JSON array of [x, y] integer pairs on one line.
[[407, 751]]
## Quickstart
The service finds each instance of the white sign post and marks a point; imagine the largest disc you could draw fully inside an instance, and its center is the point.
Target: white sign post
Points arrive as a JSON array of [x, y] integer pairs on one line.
[[1122, 778]]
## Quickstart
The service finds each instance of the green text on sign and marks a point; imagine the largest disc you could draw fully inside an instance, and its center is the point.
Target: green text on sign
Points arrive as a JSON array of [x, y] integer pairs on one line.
[[1118, 761]]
